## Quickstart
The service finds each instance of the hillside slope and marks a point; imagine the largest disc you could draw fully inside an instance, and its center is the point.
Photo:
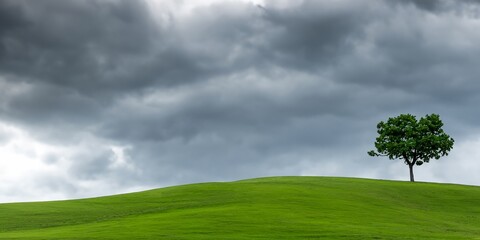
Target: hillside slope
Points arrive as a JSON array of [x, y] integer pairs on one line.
[[266, 208]]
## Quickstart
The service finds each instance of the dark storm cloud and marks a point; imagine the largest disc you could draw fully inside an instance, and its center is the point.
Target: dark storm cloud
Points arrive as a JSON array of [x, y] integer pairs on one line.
[[429, 5], [436, 6], [224, 108], [62, 61], [76, 44], [312, 34], [432, 58], [230, 89]]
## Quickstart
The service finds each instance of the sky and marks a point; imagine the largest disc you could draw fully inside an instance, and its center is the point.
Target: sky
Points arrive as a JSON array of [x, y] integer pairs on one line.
[[113, 96]]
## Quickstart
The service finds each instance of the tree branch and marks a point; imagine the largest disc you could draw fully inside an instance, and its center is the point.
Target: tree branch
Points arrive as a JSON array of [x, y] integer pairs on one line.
[[406, 159]]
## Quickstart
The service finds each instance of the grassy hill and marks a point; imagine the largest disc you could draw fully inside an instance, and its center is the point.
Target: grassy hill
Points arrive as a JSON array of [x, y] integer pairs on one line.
[[266, 208]]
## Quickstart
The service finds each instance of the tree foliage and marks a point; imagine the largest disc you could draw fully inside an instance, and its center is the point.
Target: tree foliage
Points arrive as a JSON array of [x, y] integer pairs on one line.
[[414, 142]]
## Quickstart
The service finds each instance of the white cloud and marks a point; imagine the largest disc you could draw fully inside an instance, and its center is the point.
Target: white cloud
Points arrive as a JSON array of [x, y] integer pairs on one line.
[[22, 163], [33, 171]]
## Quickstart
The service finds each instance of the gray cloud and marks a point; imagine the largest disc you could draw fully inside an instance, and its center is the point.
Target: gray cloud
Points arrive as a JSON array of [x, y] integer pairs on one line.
[[4, 136], [135, 97], [74, 44]]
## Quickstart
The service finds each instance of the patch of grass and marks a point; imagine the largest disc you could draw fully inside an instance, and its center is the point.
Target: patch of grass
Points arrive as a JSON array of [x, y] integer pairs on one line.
[[265, 208]]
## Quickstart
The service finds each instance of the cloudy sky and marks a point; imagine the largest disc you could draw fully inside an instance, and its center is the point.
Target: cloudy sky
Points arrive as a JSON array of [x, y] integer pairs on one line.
[[112, 96]]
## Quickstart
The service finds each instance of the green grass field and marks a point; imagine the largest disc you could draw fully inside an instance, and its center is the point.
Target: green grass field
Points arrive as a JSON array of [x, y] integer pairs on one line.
[[266, 208]]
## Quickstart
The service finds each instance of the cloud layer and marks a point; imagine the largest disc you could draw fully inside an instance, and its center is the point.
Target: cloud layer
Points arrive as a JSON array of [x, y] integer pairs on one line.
[[100, 97]]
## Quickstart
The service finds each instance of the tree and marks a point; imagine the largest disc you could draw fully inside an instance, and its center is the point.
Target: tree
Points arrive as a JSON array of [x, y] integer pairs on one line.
[[414, 142]]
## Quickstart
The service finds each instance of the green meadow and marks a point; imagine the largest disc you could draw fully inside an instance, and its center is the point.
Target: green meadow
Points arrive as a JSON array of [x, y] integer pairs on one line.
[[264, 208]]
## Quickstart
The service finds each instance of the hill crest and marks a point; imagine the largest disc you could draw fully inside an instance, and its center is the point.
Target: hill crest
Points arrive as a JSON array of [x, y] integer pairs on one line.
[[260, 208]]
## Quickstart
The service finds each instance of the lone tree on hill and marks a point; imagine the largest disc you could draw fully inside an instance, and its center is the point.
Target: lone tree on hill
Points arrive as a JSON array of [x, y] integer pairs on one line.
[[414, 142]]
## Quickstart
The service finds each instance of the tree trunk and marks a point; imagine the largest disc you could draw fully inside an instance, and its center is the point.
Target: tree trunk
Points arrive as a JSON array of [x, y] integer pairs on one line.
[[411, 172]]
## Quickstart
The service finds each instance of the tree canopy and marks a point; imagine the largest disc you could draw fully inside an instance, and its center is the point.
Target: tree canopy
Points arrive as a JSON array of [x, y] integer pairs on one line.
[[414, 142]]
